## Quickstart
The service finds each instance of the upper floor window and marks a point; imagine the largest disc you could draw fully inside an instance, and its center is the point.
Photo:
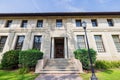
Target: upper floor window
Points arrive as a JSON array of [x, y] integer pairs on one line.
[[116, 40], [24, 24], [81, 41], [19, 42], [8, 23], [94, 22], [59, 23], [78, 23], [110, 22], [2, 42], [37, 42], [99, 43], [40, 23]]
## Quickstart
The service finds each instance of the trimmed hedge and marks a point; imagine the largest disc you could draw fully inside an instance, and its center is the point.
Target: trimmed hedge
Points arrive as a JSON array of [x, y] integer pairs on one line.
[[82, 55], [28, 58], [10, 59], [102, 64]]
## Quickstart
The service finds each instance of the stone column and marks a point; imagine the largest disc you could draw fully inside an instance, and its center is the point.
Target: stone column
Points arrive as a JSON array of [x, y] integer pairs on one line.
[[26, 44], [9, 41], [65, 47], [52, 52]]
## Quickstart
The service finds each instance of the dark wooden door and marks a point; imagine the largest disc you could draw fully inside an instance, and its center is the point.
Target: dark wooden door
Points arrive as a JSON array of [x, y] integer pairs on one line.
[[59, 48]]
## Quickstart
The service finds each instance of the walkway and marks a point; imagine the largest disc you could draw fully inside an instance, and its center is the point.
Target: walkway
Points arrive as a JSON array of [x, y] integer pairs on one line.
[[59, 77]]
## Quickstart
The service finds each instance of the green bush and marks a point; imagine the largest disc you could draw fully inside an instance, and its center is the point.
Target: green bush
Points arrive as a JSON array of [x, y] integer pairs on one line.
[[10, 59], [102, 64], [82, 55], [23, 70], [28, 58]]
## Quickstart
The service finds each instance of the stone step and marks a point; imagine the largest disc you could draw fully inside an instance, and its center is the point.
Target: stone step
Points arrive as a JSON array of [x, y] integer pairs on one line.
[[59, 66], [60, 72]]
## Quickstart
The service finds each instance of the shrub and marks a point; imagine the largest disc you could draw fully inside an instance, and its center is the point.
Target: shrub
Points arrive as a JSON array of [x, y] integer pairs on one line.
[[28, 58], [101, 64], [23, 70], [10, 59], [82, 55]]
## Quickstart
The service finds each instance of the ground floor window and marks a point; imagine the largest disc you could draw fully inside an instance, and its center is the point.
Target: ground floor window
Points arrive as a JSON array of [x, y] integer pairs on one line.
[[37, 42], [81, 41], [99, 43], [116, 40], [19, 42], [2, 42]]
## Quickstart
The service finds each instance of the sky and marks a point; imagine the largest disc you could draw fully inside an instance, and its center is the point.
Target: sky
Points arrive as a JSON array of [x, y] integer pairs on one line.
[[37, 6]]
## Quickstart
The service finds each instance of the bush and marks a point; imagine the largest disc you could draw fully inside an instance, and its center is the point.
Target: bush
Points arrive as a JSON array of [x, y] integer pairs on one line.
[[101, 64], [28, 58], [10, 59], [23, 70], [82, 55]]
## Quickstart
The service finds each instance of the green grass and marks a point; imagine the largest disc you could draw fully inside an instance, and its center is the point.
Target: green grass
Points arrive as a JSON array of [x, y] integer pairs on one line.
[[112, 74], [14, 75]]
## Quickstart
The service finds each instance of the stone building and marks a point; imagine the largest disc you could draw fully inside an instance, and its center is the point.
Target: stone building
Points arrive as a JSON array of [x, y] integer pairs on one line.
[[59, 34]]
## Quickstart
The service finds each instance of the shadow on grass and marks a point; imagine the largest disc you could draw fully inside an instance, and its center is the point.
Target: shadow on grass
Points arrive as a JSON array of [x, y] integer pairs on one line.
[[108, 71]]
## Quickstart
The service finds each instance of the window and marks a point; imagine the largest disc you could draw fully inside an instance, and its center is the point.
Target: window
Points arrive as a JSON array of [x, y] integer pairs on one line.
[[59, 23], [37, 42], [78, 23], [110, 22], [24, 24], [81, 41], [8, 24], [2, 42], [94, 22], [99, 43], [116, 40], [40, 23], [19, 42]]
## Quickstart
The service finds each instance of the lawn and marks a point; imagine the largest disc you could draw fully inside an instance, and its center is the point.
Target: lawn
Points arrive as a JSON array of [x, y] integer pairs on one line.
[[14, 75], [112, 74]]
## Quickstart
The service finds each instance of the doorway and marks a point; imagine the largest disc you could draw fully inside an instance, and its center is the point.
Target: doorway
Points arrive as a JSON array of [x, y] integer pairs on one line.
[[59, 48]]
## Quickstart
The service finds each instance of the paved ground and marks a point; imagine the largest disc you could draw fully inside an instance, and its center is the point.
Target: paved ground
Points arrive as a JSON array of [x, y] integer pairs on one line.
[[59, 77]]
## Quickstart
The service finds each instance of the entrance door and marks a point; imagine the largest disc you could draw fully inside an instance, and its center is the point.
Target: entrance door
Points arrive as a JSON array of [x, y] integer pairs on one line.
[[59, 48]]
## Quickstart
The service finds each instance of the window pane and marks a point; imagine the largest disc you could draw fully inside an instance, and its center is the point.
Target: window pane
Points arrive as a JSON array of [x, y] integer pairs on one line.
[[8, 24], [59, 23], [40, 23], [37, 42], [81, 41], [24, 24], [78, 23], [19, 43], [110, 22], [116, 41], [2, 42], [94, 22], [99, 43]]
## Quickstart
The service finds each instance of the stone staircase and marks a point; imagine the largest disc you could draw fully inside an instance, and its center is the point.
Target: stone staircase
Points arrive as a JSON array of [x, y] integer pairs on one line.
[[58, 66]]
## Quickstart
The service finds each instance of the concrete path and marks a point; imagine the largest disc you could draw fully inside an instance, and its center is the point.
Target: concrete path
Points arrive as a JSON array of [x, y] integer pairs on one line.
[[59, 77]]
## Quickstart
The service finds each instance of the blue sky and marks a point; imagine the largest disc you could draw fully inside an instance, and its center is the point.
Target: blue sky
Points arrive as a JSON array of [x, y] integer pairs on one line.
[[27, 6]]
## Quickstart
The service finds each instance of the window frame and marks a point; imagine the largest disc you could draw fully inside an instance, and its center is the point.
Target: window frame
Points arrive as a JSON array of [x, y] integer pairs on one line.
[[41, 23], [81, 42], [2, 44], [17, 42], [110, 22], [78, 23], [34, 44], [59, 23], [24, 23], [100, 42], [116, 42], [94, 22], [8, 23]]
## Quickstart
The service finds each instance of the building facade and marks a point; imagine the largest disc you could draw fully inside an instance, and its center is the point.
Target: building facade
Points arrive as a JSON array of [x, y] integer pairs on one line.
[[58, 35]]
